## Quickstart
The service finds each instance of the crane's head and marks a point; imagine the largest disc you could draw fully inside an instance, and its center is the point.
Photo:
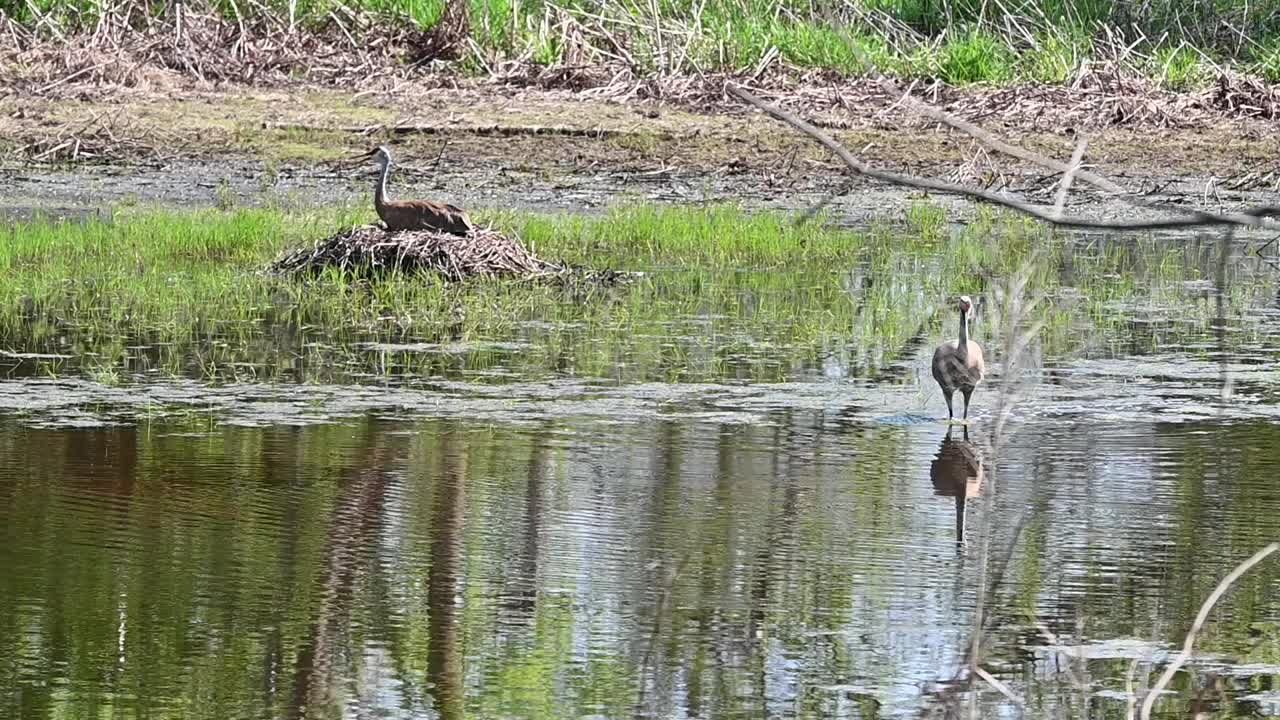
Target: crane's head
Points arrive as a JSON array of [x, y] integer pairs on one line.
[[966, 306], [380, 155]]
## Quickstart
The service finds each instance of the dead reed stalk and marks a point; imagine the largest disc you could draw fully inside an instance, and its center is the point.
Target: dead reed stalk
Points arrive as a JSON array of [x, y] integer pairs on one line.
[[1189, 642]]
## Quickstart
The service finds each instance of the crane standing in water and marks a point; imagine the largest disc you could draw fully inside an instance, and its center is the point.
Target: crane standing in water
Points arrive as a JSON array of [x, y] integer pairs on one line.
[[414, 214], [957, 364]]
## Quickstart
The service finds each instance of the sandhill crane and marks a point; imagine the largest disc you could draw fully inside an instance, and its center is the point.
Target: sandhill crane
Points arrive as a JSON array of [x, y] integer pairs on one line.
[[413, 214], [957, 364]]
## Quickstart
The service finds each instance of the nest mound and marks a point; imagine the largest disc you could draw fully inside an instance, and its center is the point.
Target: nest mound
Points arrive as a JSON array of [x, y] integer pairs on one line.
[[371, 250]]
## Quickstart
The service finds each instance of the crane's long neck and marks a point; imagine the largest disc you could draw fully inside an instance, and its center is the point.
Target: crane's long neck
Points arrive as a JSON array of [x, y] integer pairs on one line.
[[963, 345], [380, 190]]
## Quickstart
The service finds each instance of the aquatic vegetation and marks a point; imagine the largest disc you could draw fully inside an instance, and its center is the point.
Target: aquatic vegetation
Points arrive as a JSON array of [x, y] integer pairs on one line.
[[725, 293]]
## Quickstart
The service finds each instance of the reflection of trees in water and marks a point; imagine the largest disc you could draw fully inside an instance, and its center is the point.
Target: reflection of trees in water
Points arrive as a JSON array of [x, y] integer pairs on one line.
[[520, 586], [354, 529], [693, 574], [772, 563], [444, 656], [272, 450], [654, 592], [729, 575], [713, 575], [353, 536]]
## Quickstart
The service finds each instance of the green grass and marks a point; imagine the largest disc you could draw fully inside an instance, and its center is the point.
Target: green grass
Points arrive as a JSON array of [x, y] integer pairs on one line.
[[1056, 57], [1180, 68], [1266, 62], [975, 56], [1176, 42], [726, 293]]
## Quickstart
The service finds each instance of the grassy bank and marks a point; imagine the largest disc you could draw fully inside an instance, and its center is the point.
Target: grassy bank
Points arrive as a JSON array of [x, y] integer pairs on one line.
[[725, 294], [1179, 44]]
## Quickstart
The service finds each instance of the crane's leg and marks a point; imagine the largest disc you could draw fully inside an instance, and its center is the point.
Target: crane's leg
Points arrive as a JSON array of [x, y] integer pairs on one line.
[[967, 393], [951, 415]]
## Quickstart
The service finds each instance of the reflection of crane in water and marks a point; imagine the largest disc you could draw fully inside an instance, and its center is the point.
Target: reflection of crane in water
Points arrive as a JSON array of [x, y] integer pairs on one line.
[[413, 214], [957, 472], [958, 364]]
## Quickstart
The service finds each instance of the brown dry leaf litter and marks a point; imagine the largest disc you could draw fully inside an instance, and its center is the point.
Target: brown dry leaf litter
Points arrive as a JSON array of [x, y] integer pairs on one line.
[[1099, 97], [204, 49], [369, 250]]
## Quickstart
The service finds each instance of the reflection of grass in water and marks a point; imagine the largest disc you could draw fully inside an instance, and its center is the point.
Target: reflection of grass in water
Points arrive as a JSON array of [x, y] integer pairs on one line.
[[728, 293]]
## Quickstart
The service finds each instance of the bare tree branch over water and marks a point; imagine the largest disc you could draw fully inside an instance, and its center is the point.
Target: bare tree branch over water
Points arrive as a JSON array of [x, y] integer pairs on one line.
[[1175, 217]]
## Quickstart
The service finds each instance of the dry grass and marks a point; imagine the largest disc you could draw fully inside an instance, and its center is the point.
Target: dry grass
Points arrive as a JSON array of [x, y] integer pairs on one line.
[[203, 50], [1099, 97], [192, 50], [369, 250]]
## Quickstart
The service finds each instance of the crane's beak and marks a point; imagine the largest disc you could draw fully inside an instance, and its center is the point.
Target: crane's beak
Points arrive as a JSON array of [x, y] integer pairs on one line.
[[359, 159]]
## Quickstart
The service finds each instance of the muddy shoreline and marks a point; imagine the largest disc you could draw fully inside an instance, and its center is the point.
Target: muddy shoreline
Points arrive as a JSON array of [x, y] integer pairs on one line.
[[549, 150]]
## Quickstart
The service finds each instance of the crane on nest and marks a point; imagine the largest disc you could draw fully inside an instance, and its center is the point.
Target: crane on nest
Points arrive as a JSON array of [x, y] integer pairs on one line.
[[958, 364], [413, 214]]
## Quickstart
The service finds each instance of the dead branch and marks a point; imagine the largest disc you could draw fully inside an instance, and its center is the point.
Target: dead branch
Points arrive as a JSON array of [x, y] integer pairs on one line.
[[991, 141], [1060, 201], [1189, 643], [1253, 217], [1001, 687], [995, 143], [482, 130]]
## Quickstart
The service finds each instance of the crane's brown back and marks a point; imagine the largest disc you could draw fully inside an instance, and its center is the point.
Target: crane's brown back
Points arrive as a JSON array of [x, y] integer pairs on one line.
[[424, 215], [957, 369]]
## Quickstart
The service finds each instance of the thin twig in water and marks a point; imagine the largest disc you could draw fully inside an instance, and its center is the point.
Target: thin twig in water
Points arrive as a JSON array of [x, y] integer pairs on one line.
[[1130, 697], [1150, 700], [1056, 643], [995, 683]]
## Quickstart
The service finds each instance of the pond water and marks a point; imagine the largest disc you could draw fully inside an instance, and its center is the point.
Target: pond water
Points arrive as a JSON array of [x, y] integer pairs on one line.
[[445, 529]]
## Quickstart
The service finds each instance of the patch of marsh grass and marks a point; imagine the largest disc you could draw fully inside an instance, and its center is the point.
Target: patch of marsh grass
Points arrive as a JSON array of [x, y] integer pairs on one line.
[[726, 293], [1181, 67], [1266, 60], [975, 56], [1056, 56]]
